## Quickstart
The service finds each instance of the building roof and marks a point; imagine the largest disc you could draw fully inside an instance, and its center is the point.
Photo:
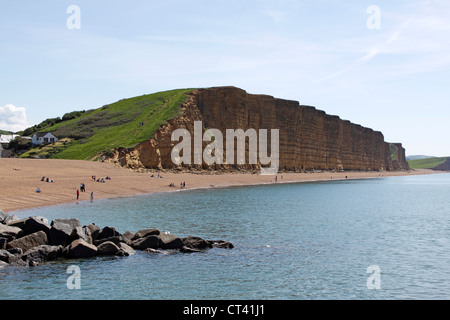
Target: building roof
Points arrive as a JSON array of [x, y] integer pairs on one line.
[[6, 138], [41, 134]]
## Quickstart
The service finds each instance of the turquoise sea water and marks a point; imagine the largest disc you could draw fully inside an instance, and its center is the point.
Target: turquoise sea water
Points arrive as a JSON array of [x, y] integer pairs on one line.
[[292, 241]]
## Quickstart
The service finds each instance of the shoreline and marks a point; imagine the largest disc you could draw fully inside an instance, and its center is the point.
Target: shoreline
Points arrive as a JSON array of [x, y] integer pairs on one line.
[[19, 179]]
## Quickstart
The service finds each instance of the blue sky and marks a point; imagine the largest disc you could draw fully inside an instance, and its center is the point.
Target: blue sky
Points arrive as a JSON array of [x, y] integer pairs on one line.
[[393, 78]]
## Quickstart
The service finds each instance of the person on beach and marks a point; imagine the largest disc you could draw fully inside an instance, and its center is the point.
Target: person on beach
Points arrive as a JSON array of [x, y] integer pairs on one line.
[[38, 190], [78, 194], [92, 196]]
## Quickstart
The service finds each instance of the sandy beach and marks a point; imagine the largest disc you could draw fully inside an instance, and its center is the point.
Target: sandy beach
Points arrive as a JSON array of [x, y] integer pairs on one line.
[[19, 179]]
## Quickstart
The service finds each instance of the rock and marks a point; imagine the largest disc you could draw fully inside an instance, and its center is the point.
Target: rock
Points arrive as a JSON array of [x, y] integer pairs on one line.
[[29, 241], [35, 224], [79, 233], [116, 240], [17, 223], [3, 264], [151, 241], [185, 249], [9, 232], [107, 232], [107, 248], [3, 242], [73, 223], [81, 249], [220, 244], [3, 216], [11, 219], [169, 241], [196, 243], [145, 232], [125, 250], [43, 253], [59, 233], [9, 257], [128, 235], [93, 230]]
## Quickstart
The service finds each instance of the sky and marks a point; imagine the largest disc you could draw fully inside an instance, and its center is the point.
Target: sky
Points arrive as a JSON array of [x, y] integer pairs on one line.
[[381, 64]]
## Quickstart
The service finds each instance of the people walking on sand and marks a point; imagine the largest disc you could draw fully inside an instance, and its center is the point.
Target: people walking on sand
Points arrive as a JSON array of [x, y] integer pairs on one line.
[[184, 184], [92, 196], [78, 194]]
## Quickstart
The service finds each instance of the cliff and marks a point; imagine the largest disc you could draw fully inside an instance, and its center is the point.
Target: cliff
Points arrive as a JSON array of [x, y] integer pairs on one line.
[[309, 139]]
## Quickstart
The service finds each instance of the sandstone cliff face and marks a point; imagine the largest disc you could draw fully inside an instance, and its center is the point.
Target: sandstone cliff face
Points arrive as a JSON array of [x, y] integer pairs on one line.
[[309, 139]]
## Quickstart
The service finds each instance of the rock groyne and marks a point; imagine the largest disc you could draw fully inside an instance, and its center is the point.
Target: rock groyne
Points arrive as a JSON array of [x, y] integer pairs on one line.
[[33, 240]]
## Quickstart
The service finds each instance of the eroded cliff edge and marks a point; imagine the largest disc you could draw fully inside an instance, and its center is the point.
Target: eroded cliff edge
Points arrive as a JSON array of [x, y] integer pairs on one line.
[[309, 139]]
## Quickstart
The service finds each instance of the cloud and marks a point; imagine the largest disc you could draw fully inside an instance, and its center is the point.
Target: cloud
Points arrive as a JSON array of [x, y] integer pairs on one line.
[[13, 118]]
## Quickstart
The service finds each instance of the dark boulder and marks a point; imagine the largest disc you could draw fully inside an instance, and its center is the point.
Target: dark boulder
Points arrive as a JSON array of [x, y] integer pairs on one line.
[[79, 233], [43, 253], [107, 232], [81, 249], [220, 244], [169, 241], [92, 231], [125, 250], [9, 232], [196, 243], [29, 241], [145, 232], [151, 241], [3, 217], [72, 222], [59, 233], [107, 248], [9, 257]]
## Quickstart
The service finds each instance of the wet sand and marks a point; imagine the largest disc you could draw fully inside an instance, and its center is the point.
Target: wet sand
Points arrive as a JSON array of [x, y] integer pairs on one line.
[[19, 179]]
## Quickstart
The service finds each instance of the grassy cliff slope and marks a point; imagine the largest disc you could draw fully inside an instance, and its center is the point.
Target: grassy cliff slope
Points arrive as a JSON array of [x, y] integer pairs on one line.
[[124, 123]]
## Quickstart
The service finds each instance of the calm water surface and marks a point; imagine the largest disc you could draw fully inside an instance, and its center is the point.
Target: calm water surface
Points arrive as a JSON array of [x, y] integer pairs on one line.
[[292, 241]]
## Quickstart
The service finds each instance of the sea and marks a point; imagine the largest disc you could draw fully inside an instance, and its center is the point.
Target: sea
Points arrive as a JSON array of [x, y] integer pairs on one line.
[[367, 239]]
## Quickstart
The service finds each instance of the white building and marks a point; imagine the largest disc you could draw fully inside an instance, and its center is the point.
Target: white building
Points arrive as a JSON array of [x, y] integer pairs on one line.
[[5, 139], [43, 137]]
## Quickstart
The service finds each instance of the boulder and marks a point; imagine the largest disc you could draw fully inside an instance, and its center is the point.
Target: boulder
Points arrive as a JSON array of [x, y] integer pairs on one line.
[[92, 230], [9, 257], [79, 233], [3, 264], [128, 235], [116, 240], [29, 241], [20, 223], [35, 224], [196, 243], [145, 232], [81, 249], [125, 250], [3, 242], [9, 232], [185, 249], [107, 232], [220, 244], [169, 241], [3, 216], [43, 253], [107, 248], [11, 219], [151, 241], [59, 233], [73, 223]]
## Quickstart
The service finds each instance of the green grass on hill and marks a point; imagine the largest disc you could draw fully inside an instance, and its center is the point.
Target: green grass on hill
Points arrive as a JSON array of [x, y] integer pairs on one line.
[[426, 163], [124, 123]]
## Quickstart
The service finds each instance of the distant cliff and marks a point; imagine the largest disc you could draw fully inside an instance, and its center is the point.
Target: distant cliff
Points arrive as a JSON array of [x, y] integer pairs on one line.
[[309, 139]]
